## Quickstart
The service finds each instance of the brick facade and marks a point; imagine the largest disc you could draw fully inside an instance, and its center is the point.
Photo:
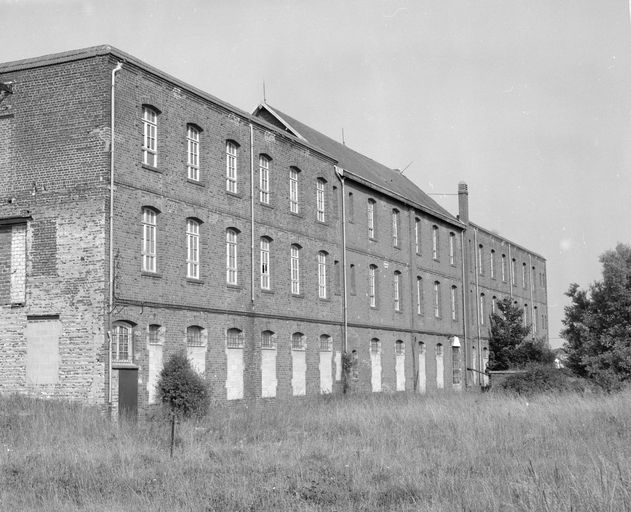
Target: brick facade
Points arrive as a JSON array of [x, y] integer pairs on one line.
[[55, 147]]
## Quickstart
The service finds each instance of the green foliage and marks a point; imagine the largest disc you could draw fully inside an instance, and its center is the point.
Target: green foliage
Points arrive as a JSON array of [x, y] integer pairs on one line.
[[538, 379], [508, 346], [182, 389], [598, 323]]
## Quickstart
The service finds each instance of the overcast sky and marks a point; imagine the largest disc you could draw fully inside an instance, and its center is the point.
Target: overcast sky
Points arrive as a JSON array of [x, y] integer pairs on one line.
[[528, 101]]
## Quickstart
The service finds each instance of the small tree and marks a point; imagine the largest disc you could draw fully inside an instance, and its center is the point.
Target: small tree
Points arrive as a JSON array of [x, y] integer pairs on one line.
[[508, 346], [182, 390]]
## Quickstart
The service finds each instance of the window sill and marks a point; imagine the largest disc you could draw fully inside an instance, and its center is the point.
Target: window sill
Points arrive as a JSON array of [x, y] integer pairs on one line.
[[268, 292], [234, 194], [268, 348], [324, 299], [298, 295], [297, 214], [322, 222], [235, 287], [194, 280], [267, 205], [197, 183], [124, 365], [397, 247], [151, 168], [154, 275]]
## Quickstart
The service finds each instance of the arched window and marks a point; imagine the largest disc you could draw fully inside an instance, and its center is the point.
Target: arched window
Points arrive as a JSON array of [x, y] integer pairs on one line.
[[353, 282], [264, 179], [267, 339], [452, 248], [439, 350], [417, 235], [231, 167], [192, 152], [372, 286], [371, 218], [322, 288], [397, 291], [435, 243], [149, 136], [234, 338], [192, 248], [523, 275], [194, 336], [232, 270], [375, 346], [492, 264], [421, 348], [297, 341], [395, 227], [399, 348], [295, 270], [456, 361], [504, 267], [326, 344], [155, 337], [122, 344], [482, 309], [419, 295], [149, 228], [454, 303], [266, 281], [294, 190], [321, 199], [437, 299]]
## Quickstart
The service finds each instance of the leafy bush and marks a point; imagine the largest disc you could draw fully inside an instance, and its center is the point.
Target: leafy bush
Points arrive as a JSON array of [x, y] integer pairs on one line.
[[182, 389], [542, 379]]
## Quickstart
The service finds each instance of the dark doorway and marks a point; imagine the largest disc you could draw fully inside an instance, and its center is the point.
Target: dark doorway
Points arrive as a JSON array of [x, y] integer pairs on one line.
[[128, 394]]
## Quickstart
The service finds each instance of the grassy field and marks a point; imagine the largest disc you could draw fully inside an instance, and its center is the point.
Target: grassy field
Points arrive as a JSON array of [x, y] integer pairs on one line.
[[467, 452]]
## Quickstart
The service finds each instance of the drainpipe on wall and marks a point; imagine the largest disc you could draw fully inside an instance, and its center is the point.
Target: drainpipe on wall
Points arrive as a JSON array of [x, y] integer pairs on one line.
[[110, 310], [252, 213], [465, 285], [339, 172], [477, 286], [532, 304]]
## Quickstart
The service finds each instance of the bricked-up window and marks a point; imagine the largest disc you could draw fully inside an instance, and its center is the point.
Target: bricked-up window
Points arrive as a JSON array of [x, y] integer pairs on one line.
[[192, 249], [234, 338], [399, 348], [322, 288], [12, 263], [154, 335], [419, 295], [454, 303], [435, 241], [294, 205], [232, 274], [194, 336], [417, 235], [149, 136], [295, 270], [371, 218], [149, 223], [372, 286], [482, 308], [267, 339], [397, 291], [375, 346], [326, 343], [395, 228], [192, 152], [297, 341], [231, 167], [321, 199], [266, 282], [122, 343], [437, 299], [457, 364], [264, 165], [492, 264], [504, 267]]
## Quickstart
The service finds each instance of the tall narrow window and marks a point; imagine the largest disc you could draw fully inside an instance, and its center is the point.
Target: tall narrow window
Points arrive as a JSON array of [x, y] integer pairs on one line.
[[504, 267], [493, 304], [395, 228], [294, 206], [192, 248], [371, 218], [533, 280], [372, 286], [523, 275], [264, 179], [452, 248], [338, 277], [352, 280], [513, 271], [232, 275], [192, 152], [322, 292], [350, 208], [419, 295], [526, 315], [435, 242], [397, 291], [457, 365], [492, 264], [480, 259], [121, 343], [417, 235], [436, 299], [265, 271], [482, 309], [295, 270], [534, 320], [149, 136], [321, 199], [148, 240], [231, 167], [454, 303]]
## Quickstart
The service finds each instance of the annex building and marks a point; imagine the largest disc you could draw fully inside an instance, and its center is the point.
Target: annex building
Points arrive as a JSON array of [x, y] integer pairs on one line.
[[140, 216]]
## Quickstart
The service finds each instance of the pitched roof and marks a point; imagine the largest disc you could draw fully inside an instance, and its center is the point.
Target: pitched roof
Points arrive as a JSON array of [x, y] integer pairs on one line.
[[362, 167]]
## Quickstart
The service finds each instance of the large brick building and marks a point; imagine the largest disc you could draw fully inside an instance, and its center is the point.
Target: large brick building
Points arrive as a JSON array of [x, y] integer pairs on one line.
[[140, 216]]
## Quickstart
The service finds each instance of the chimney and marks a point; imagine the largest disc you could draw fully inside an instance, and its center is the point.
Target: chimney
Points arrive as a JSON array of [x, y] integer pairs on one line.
[[463, 202]]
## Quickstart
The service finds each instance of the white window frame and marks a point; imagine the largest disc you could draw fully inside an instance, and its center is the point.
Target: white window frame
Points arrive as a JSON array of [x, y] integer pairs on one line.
[[231, 167], [417, 235], [122, 343], [295, 270], [264, 188], [523, 275], [482, 308], [513, 265], [454, 303], [480, 260], [419, 295], [294, 199], [395, 228], [397, 291], [436, 299], [372, 286], [321, 199], [266, 280], [149, 136], [232, 263], [492, 265], [371, 218], [192, 152], [503, 268], [435, 242], [149, 231], [322, 288], [452, 249], [192, 248]]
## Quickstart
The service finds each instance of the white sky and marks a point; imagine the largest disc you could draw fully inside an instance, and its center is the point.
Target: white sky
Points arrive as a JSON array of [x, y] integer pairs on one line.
[[528, 101]]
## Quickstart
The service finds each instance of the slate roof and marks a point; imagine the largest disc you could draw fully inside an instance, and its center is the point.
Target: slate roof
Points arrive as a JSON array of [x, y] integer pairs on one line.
[[362, 166]]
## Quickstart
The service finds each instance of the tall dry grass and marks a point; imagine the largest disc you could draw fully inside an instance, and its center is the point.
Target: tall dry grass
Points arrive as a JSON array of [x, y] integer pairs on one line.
[[467, 452]]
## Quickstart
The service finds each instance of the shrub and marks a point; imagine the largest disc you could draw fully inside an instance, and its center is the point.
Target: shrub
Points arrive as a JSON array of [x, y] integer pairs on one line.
[[542, 379], [182, 389]]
